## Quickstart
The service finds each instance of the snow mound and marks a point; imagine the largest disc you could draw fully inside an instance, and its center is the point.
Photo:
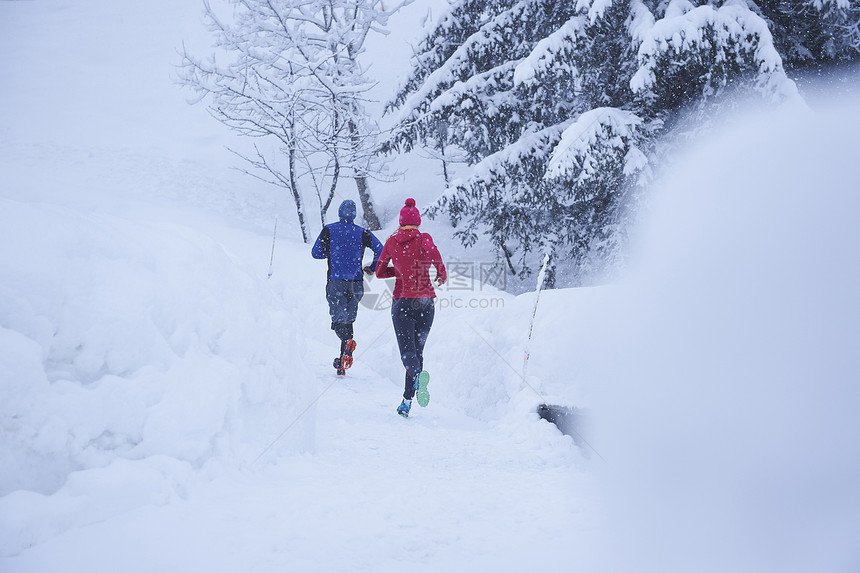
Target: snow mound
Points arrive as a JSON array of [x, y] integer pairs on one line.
[[126, 338], [728, 358]]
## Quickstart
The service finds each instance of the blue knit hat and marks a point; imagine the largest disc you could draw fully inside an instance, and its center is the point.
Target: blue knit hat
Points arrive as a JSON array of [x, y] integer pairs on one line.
[[347, 210]]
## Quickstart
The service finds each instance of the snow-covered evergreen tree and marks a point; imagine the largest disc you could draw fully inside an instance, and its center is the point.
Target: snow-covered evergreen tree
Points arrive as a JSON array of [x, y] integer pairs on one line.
[[813, 33], [558, 106]]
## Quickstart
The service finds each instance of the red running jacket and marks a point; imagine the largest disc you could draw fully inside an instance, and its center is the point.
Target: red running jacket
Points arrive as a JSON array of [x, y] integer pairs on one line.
[[412, 254]]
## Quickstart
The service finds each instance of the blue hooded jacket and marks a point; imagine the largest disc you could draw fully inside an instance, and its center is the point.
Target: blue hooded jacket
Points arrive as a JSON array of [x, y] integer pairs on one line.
[[343, 244]]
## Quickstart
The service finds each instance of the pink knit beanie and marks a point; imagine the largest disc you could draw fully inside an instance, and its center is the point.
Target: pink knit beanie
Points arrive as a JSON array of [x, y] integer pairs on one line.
[[409, 215]]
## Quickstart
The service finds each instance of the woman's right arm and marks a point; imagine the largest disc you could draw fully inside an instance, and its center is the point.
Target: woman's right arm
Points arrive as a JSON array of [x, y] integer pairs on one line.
[[383, 271]]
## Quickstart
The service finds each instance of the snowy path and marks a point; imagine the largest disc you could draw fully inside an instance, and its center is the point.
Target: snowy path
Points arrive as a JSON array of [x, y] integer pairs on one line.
[[439, 491]]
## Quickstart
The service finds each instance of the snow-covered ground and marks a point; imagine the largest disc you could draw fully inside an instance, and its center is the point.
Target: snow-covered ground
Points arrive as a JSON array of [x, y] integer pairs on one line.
[[166, 407]]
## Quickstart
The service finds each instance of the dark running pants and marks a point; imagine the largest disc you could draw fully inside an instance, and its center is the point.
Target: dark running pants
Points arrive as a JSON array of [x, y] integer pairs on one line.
[[412, 318], [343, 298]]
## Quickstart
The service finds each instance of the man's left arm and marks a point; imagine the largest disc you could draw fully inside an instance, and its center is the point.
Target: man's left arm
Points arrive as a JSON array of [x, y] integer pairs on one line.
[[370, 241]]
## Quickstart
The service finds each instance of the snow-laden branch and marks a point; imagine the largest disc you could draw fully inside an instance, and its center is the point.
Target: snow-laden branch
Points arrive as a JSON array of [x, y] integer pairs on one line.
[[521, 151], [485, 45], [543, 56], [731, 36], [593, 130]]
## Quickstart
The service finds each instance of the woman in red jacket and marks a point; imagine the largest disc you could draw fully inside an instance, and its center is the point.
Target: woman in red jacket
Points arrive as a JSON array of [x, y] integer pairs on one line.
[[412, 253]]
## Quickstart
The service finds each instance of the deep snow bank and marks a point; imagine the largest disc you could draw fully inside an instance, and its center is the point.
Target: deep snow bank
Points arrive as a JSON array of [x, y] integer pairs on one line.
[[129, 338], [135, 349], [727, 362]]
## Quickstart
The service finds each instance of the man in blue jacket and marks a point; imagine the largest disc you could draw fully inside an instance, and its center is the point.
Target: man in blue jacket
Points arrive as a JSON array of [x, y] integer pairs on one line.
[[343, 244]]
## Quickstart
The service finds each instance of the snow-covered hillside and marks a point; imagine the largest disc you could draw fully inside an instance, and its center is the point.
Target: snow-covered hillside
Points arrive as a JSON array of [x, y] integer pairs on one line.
[[164, 406]]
